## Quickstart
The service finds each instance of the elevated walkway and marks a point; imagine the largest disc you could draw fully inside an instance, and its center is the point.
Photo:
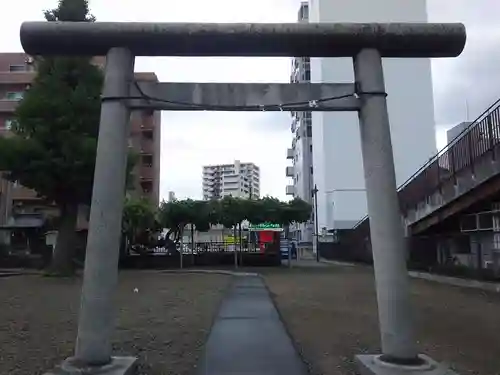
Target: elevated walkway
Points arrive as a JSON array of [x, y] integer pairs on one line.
[[466, 172]]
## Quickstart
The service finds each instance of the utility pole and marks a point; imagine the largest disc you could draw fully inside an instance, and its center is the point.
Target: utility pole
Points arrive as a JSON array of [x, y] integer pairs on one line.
[[316, 230]]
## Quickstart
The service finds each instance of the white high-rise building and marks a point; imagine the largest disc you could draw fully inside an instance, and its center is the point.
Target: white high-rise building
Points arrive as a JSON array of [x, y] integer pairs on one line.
[[301, 171], [338, 168], [239, 180]]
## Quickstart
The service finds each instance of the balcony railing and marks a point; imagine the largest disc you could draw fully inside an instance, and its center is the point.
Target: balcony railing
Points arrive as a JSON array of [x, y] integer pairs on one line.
[[147, 146], [8, 106], [16, 77], [147, 172]]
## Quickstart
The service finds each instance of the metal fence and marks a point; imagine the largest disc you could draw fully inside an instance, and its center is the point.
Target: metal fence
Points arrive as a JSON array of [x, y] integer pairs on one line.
[[215, 247], [205, 254]]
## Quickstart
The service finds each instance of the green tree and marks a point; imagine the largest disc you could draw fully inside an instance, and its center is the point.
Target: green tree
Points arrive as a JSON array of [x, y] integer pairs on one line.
[[200, 218], [70, 11], [298, 211], [54, 144], [174, 216], [271, 211], [294, 212], [139, 222], [233, 213], [230, 212], [254, 211]]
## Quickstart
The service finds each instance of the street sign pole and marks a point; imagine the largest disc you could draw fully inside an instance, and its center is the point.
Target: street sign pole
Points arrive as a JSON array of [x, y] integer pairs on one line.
[[316, 224]]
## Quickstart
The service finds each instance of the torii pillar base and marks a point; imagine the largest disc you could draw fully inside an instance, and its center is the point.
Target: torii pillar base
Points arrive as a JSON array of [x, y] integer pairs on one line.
[[372, 365], [117, 366]]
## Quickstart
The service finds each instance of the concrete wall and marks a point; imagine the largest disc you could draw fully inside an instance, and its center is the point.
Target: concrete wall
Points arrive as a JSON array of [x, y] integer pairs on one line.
[[337, 151]]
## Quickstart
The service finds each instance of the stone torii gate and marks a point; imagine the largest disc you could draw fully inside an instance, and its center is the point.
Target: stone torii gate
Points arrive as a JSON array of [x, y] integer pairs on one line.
[[366, 43]]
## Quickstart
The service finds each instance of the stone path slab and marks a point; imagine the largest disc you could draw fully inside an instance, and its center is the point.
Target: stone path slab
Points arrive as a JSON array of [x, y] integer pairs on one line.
[[248, 336]]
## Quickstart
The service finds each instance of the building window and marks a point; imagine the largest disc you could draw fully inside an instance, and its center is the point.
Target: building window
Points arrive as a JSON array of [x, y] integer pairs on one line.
[[17, 68], [147, 160], [309, 131], [14, 95], [147, 134], [311, 148], [312, 170], [147, 186]]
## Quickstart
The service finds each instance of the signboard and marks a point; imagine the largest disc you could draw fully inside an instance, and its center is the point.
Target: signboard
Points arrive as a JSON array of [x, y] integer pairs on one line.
[[265, 226], [231, 240]]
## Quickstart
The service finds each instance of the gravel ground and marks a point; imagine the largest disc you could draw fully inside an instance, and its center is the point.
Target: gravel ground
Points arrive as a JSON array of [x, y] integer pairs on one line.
[[165, 324], [331, 314]]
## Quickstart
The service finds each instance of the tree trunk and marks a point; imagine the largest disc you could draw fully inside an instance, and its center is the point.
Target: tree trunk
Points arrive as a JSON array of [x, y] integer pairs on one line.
[[181, 247], [287, 238], [64, 251], [192, 245], [241, 245], [234, 248]]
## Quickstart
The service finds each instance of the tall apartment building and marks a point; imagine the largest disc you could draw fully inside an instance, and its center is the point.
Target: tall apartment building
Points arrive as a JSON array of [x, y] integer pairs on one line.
[[338, 167], [301, 153], [16, 73], [239, 180]]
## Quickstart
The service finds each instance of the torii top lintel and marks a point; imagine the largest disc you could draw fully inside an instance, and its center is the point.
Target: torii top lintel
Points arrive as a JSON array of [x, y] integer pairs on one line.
[[263, 39]]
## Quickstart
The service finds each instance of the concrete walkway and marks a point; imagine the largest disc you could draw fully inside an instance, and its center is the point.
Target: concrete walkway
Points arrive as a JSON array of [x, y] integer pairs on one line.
[[248, 336]]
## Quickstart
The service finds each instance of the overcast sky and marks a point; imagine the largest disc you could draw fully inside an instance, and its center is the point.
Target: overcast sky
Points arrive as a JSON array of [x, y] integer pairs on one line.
[[462, 87]]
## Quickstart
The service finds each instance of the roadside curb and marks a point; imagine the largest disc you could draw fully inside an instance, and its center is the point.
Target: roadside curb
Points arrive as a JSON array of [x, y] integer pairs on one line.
[[337, 263], [16, 272], [447, 280], [7, 274], [455, 281], [217, 272]]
